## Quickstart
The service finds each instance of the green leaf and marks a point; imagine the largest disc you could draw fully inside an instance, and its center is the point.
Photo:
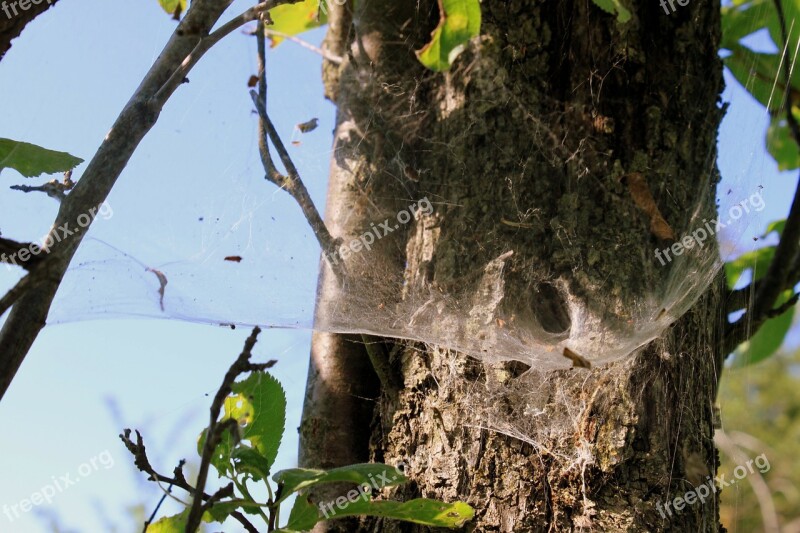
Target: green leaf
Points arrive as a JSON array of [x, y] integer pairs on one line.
[[173, 7], [777, 226], [614, 7], [460, 21], [373, 474], [249, 461], [170, 524], [420, 511], [258, 404], [781, 144], [759, 74], [292, 19], [220, 511], [741, 19], [767, 339], [31, 160], [757, 260], [304, 515]]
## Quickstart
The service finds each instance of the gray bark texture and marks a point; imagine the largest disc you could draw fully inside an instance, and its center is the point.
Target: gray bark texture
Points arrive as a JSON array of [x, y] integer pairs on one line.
[[13, 20], [544, 115]]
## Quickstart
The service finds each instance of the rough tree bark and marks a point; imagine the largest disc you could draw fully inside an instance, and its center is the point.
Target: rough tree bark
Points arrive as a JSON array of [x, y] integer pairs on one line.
[[543, 116], [13, 20]]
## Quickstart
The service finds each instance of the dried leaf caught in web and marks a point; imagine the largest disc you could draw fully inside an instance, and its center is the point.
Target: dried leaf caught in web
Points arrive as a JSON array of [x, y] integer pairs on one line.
[[162, 281], [306, 127], [577, 360], [640, 192]]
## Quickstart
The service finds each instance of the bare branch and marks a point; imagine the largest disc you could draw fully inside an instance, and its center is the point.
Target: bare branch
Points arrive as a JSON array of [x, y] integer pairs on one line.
[[217, 429], [53, 188], [292, 182]]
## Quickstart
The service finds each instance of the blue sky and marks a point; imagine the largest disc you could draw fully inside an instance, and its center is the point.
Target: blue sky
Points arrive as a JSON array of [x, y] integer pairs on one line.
[[62, 85]]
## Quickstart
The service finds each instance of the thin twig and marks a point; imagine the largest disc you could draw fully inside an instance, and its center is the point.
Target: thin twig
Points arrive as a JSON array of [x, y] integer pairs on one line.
[[161, 501], [292, 182], [333, 58], [205, 43], [217, 428], [53, 188], [777, 277], [141, 461]]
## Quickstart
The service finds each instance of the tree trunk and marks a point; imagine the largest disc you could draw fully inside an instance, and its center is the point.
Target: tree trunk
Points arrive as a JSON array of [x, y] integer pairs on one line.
[[525, 146]]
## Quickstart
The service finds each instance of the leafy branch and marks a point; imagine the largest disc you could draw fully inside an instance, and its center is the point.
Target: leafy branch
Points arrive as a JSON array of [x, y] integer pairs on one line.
[[247, 422]]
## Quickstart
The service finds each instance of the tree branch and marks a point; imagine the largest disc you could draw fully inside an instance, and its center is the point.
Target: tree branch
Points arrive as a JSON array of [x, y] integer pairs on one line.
[[216, 429], [291, 183], [141, 461], [140, 114]]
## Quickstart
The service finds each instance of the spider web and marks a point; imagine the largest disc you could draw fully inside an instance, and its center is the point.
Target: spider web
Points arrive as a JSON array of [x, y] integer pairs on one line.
[[236, 251]]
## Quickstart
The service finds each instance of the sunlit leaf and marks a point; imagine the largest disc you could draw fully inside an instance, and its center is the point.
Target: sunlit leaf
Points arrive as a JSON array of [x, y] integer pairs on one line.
[[781, 144], [258, 404], [420, 511], [776, 226], [460, 21], [759, 74], [741, 19], [758, 261], [170, 524], [293, 19], [768, 338], [614, 7], [173, 7], [31, 160], [373, 474]]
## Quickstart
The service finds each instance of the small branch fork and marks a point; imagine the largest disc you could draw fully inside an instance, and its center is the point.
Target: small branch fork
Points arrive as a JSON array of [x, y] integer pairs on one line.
[[201, 501], [291, 182], [784, 270]]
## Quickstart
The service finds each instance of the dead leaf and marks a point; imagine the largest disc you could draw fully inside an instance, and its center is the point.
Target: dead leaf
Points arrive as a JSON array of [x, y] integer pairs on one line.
[[162, 281], [252, 81], [640, 192], [306, 127], [577, 360], [234, 258]]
